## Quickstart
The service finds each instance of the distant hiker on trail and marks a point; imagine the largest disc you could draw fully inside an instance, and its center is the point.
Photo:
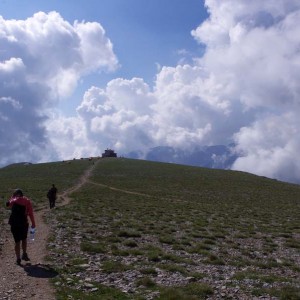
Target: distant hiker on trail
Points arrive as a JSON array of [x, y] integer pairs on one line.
[[21, 208], [51, 195]]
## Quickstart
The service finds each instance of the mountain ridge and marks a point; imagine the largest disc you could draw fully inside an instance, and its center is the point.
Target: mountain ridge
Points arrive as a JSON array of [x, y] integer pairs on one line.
[[215, 156]]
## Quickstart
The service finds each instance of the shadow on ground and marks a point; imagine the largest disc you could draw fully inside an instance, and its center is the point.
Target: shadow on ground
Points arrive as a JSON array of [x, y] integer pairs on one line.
[[40, 271]]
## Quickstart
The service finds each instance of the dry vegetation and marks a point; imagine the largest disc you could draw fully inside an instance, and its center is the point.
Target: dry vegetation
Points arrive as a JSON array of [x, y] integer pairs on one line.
[[142, 230]]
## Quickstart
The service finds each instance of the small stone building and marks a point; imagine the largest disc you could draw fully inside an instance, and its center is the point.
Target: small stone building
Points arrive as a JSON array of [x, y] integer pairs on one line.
[[109, 153]]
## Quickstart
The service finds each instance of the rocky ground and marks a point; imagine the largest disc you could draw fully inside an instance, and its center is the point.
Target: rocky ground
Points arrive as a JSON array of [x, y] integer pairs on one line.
[[31, 280], [219, 277]]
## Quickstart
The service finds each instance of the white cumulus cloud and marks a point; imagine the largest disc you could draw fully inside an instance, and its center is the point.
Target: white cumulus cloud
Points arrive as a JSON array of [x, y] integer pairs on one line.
[[244, 88], [252, 49], [41, 60]]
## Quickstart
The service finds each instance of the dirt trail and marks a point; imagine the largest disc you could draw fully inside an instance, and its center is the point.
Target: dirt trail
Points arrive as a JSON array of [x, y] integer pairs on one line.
[[135, 193], [120, 190], [31, 280]]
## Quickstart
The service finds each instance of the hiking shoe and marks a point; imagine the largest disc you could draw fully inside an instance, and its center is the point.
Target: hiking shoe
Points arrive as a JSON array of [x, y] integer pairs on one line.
[[19, 261], [25, 257]]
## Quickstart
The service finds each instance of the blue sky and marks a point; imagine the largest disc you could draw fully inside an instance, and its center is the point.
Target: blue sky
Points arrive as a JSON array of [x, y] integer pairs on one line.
[[79, 77]]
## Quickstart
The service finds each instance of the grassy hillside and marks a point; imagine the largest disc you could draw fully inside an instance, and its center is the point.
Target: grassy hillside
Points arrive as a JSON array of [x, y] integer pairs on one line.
[[142, 229], [36, 179]]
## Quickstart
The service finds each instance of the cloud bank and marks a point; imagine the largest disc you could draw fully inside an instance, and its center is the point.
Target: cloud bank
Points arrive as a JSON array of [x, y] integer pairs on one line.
[[41, 60], [244, 89], [252, 47]]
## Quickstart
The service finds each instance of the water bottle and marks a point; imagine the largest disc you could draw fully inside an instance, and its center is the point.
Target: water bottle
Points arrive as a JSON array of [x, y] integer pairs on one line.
[[32, 232]]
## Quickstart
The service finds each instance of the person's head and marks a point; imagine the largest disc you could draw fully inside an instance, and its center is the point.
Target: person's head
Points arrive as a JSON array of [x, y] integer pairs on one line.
[[18, 193]]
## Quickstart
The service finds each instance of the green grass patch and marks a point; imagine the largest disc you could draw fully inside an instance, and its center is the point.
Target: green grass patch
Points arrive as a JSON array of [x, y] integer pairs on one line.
[[114, 267], [93, 247], [191, 291], [146, 282], [164, 218]]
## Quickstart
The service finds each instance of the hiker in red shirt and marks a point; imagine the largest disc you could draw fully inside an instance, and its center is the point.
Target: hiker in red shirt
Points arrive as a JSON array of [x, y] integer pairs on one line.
[[21, 208]]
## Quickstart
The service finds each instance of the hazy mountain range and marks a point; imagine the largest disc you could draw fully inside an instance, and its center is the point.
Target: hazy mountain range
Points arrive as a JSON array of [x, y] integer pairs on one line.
[[217, 157]]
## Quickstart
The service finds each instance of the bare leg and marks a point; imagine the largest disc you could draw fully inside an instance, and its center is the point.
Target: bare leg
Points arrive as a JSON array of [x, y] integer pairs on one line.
[[17, 249], [24, 246]]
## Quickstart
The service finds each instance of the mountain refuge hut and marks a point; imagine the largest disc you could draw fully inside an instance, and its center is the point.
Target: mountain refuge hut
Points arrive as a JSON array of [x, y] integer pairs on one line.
[[109, 153]]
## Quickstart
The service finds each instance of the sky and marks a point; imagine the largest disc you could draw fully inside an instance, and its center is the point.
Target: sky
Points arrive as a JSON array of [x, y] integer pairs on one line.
[[77, 77]]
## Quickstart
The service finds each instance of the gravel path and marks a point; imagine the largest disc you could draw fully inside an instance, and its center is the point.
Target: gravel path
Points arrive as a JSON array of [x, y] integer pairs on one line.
[[31, 279]]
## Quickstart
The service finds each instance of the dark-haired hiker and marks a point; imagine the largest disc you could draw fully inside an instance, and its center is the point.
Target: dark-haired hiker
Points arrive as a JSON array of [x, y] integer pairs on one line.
[[51, 195], [21, 208]]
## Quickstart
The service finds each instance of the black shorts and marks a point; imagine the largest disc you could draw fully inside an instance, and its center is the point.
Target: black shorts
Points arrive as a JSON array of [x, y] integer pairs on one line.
[[19, 232]]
